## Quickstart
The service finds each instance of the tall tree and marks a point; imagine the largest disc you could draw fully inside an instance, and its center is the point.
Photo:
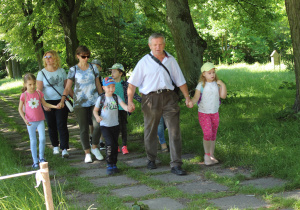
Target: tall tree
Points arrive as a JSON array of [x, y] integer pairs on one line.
[[189, 45], [292, 10], [68, 17], [27, 8]]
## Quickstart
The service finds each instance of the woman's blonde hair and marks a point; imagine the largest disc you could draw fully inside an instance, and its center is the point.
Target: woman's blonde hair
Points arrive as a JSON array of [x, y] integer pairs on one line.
[[56, 59], [27, 77], [203, 80]]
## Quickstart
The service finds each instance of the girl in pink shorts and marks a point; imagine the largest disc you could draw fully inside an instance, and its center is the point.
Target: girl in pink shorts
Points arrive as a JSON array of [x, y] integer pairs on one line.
[[208, 93]]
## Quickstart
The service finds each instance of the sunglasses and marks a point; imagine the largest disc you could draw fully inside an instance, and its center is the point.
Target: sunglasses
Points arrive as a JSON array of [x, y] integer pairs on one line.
[[85, 56], [49, 56]]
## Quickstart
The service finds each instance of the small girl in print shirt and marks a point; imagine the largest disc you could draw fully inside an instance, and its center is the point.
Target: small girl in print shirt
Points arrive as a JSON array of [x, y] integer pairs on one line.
[[210, 89], [32, 113]]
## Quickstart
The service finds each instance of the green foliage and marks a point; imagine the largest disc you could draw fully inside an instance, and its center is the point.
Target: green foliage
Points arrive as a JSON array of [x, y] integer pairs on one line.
[[238, 31]]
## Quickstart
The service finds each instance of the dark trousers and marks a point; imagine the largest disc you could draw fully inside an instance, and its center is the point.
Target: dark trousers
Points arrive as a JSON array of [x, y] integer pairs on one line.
[[155, 105], [123, 126], [57, 124], [111, 135], [82, 115]]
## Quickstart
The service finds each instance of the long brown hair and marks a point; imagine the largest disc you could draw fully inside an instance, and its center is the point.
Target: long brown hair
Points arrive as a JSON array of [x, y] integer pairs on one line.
[[56, 59], [27, 77]]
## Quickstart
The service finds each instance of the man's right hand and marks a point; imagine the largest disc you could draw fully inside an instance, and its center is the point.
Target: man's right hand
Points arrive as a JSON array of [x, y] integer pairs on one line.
[[131, 106]]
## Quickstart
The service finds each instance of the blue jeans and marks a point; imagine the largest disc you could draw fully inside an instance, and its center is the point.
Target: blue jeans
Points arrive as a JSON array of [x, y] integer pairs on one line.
[[161, 131], [40, 126]]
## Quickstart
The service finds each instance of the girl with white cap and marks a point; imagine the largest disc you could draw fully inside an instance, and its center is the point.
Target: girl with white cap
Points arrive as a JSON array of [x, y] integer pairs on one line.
[[208, 93]]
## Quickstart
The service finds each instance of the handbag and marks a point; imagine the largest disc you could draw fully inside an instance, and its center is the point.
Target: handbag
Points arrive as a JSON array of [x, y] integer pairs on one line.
[[68, 102], [176, 89]]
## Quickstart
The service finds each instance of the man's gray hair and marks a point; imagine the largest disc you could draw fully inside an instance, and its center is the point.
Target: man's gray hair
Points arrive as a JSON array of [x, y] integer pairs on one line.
[[155, 36]]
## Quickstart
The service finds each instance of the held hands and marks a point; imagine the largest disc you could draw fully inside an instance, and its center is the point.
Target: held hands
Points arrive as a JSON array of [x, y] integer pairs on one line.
[[131, 106], [191, 105], [188, 102], [46, 109]]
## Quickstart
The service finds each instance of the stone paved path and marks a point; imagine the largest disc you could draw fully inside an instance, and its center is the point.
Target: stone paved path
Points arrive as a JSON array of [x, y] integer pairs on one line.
[[214, 194]]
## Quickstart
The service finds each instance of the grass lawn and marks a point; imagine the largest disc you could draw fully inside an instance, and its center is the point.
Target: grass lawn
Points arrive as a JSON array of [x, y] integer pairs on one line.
[[255, 132]]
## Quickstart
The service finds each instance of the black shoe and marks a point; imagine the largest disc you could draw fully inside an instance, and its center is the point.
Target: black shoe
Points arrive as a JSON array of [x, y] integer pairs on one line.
[[178, 170], [102, 145], [151, 165]]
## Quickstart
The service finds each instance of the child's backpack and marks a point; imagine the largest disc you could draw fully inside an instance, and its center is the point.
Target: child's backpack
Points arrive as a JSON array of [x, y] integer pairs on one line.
[[102, 100], [201, 91]]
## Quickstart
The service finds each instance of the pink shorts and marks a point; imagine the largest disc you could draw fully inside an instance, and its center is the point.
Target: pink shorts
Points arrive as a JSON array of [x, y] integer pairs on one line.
[[209, 124]]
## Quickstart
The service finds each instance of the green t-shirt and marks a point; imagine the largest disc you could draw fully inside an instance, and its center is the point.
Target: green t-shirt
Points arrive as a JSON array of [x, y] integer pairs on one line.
[[120, 92]]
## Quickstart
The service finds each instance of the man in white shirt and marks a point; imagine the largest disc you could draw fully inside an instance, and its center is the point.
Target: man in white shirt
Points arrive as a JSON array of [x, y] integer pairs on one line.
[[159, 99]]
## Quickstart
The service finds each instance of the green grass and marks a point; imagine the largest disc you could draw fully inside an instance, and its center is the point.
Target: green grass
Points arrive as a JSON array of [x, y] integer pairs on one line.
[[256, 131]]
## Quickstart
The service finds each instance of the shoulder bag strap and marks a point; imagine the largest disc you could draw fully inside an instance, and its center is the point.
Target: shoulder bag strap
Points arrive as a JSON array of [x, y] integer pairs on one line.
[[50, 83], [160, 63]]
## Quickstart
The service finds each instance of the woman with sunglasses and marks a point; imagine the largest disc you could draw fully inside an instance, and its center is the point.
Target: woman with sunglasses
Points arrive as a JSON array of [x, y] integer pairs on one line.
[[51, 80], [87, 88]]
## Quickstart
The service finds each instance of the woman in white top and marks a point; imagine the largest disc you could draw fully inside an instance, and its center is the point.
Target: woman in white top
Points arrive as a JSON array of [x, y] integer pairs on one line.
[[51, 80], [208, 93]]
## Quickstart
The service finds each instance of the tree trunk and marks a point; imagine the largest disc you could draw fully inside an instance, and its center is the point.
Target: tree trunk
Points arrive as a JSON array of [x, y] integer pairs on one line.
[[69, 11], [9, 68], [16, 69], [35, 34], [292, 10], [189, 45]]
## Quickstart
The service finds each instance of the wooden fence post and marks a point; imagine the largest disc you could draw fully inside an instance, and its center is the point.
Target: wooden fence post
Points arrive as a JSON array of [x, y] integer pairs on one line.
[[47, 186]]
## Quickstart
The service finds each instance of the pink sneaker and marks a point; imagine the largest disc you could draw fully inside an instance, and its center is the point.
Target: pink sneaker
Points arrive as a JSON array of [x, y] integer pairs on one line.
[[124, 150]]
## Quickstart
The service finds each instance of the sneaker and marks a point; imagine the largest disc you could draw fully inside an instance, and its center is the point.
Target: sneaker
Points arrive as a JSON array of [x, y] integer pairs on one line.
[[55, 150], [115, 168], [65, 153], [119, 149], [35, 166], [88, 158], [207, 160], [97, 154], [110, 170], [42, 160], [102, 145], [124, 150]]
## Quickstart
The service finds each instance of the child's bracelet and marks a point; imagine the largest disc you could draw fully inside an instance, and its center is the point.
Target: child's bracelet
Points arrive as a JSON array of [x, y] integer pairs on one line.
[[64, 96]]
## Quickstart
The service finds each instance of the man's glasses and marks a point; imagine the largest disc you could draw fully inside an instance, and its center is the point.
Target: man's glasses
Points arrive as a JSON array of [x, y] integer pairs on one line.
[[85, 56], [49, 56]]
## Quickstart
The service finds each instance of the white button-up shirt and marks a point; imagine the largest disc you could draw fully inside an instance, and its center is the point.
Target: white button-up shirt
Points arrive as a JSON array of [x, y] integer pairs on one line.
[[149, 76]]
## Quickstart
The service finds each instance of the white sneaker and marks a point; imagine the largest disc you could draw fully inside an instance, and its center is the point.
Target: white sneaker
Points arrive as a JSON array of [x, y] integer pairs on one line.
[[65, 153], [55, 150], [88, 158], [97, 154]]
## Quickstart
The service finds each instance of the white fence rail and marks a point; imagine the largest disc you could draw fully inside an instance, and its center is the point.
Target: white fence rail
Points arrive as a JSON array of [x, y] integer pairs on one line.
[[42, 175]]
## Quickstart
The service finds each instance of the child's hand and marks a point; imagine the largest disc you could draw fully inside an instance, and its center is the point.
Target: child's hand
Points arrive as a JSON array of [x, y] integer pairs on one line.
[[191, 105], [98, 119], [27, 123]]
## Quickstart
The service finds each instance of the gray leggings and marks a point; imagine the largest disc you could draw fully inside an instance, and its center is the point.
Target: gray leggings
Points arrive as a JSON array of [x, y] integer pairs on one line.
[[82, 115]]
